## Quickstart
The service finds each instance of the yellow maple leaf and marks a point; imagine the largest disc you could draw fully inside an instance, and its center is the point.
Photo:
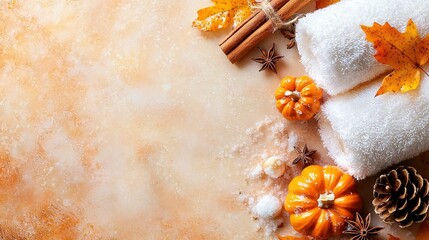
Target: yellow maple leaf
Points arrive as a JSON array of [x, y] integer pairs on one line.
[[405, 52], [324, 3], [223, 14]]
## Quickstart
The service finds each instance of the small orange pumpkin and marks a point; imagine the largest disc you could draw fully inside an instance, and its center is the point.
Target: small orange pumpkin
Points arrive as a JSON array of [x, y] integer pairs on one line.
[[298, 98], [320, 200]]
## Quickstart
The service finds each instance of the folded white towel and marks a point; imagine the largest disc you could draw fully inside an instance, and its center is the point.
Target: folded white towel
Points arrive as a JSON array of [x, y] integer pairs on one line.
[[333, 46], [364, 134]]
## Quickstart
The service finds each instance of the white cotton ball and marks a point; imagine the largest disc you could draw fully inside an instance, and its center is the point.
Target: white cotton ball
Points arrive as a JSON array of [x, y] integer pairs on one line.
[[274, 167], [268, 207]]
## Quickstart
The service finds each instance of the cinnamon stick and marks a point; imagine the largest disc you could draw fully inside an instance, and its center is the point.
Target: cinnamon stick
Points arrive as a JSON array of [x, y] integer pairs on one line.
[[256, 28], [247, 27]]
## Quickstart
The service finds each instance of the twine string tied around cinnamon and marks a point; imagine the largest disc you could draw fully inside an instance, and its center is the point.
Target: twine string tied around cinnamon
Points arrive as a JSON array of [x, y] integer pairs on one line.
[[275, 19]]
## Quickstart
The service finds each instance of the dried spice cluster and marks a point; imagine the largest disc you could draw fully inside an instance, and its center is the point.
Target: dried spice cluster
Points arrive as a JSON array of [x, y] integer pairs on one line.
[[304, 155], [268, 60], [360, 229]]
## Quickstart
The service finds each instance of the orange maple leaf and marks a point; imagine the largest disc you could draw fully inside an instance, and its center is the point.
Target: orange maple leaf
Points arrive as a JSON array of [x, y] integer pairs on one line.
[[324, 3], [405, 52], [223, 14]]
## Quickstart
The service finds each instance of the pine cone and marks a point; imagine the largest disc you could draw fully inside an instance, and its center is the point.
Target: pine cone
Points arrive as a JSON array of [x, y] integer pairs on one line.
[[401, 196]]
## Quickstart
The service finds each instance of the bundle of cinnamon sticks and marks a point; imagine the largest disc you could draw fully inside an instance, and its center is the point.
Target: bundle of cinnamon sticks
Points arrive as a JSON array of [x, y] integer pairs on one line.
[[256, 28]]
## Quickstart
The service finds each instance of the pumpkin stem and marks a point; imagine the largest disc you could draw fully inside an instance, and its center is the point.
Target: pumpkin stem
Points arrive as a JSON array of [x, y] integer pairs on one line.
[[295, 95], [326, 200]]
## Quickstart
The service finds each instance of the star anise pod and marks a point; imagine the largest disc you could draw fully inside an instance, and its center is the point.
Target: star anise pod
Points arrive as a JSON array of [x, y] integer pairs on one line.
[[268, 60], [360, 229], [290, 35], [304, 155], [291, 43]]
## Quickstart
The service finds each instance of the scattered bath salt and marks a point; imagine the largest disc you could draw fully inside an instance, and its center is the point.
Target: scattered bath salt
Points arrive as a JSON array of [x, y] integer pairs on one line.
[[268, 182], [271, 137], [268, 120], [254, 134], [259, 125], [268, 207], [255, 173], [278, 128], [242, 197], [270, 226], [292, 141], [279, 134], [236, 149], [251, 201]]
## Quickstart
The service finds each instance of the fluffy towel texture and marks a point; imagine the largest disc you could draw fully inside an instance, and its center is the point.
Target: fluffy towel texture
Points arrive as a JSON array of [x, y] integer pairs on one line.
[[333, 46], [364, 134]]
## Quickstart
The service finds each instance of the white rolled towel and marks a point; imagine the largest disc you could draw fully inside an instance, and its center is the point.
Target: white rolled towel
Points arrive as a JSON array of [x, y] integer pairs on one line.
[[332, 44], [364, 134]]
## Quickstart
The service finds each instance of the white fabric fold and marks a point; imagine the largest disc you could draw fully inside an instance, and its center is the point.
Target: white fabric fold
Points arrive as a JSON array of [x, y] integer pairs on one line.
[[332, 44], [365, 134]]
